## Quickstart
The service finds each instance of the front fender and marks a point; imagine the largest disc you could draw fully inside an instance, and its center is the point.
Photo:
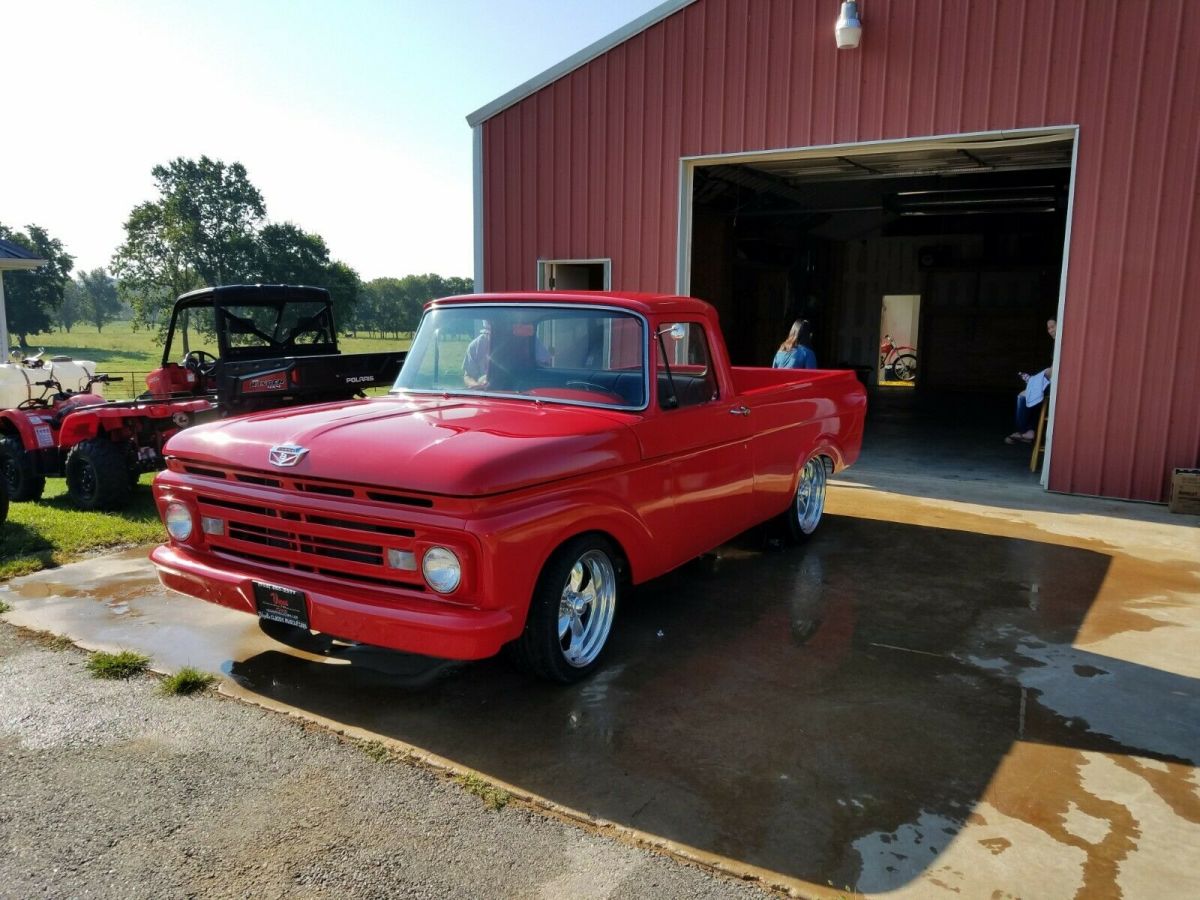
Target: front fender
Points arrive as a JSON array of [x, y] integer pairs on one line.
[[18, 424], [519, 537]]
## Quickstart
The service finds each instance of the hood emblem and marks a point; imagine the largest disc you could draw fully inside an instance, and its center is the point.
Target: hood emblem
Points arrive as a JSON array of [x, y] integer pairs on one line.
[[286, 454]]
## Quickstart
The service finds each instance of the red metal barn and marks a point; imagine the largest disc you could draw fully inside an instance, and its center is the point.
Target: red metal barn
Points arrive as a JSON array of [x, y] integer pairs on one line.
[[969, 170]]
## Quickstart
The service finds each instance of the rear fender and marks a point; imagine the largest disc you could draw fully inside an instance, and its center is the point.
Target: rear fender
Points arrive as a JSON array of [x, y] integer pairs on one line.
[[78, 426], [122, 420]]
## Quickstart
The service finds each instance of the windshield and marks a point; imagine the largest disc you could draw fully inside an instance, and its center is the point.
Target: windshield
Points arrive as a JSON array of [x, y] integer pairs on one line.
[[568, 355], [296, 326]]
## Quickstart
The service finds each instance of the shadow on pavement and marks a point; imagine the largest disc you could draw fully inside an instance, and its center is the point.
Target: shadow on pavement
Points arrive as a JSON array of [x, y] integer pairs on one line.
[[776, 707]]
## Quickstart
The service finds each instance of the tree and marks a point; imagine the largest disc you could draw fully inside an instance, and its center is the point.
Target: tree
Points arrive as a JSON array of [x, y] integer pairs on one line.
[[380, 305], [287, 254], [200, 231], [69, 310], [98, 295], [394, 305], [33, 298]]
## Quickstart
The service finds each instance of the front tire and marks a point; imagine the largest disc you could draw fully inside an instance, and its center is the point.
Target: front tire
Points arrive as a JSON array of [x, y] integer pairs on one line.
[[808, 504], [572, 611], [97, 475], [905, 367], [24, 482]]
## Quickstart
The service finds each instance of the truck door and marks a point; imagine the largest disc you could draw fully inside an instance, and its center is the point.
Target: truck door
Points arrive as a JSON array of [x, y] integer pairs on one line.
[[701, 432]]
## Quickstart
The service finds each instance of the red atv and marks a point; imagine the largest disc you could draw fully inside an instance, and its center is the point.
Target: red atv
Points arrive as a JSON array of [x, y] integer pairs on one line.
[[30, 448], [244, 348]]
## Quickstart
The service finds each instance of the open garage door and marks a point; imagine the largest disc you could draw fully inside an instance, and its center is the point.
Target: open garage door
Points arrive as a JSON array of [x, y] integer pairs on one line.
[[931, 267]]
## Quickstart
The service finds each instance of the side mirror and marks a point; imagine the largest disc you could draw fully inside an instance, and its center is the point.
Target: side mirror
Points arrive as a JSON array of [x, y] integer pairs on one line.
[[677, 332]]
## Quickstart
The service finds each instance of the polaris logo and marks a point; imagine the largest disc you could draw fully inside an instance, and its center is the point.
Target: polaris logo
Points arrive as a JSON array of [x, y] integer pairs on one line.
[[359, 379], [286, 454]]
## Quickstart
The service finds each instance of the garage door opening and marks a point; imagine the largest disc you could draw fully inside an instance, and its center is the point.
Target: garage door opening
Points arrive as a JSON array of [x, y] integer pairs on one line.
[[959, 241]]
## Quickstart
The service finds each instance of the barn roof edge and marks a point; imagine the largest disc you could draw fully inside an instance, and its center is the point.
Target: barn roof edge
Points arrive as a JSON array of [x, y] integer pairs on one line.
[[576, 60]]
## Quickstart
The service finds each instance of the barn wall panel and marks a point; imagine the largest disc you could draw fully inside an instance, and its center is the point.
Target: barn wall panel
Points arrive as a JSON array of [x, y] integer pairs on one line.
[[589, 167]]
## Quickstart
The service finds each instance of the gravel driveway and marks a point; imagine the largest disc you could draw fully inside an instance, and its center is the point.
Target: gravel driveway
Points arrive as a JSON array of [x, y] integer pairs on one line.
[[109, 789]]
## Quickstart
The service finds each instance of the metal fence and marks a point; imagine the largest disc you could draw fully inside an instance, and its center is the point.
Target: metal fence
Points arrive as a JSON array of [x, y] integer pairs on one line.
[[133, 385]]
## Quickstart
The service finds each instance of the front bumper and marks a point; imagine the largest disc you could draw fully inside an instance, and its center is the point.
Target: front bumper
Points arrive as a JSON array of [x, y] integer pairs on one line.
[[428, 627]]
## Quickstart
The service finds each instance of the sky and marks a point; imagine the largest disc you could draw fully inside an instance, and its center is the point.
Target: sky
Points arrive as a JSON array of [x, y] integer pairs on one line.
[[349, 115]]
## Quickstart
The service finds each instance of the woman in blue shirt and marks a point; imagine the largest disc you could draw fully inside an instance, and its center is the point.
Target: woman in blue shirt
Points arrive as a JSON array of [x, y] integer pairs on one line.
[[796, 352]]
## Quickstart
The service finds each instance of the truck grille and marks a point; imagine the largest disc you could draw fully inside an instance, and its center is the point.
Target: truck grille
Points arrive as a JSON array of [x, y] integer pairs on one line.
[[337, 546], [310, 486]]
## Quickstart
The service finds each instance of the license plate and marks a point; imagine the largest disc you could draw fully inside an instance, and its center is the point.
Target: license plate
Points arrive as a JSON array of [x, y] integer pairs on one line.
[[281, 604]]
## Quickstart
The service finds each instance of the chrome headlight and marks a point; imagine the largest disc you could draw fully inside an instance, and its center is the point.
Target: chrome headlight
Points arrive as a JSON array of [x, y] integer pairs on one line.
[[179, 520], [442, 570]]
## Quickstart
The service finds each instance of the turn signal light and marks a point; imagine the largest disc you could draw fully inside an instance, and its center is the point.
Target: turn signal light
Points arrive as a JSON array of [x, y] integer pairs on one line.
[[402, 559]]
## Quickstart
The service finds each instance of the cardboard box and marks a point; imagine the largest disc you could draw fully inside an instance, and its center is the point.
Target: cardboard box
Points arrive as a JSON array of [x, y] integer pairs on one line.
[[1185, 492]]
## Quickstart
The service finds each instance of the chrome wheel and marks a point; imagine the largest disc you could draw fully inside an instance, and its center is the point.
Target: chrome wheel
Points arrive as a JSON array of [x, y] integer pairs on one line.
[[586, 608], [810, 496]]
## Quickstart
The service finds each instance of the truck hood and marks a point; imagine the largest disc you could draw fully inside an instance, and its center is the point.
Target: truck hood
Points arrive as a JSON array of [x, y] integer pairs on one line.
[[453, 447]]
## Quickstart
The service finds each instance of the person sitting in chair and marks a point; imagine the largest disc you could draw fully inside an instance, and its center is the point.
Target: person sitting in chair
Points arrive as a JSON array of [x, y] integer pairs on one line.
[[1033, 395]]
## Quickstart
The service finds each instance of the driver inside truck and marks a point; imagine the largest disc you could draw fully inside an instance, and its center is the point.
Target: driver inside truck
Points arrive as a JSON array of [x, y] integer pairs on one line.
[[477, 362]]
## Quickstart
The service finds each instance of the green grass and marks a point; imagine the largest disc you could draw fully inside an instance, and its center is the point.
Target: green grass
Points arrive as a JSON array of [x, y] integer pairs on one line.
[[122, 351], [124, 664], [50, 531], [4, 607], [186, 681], [492, 796], [53, 641]]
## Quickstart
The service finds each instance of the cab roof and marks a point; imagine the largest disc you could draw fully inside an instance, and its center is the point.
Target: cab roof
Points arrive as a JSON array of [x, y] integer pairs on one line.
[[251, 294], [643, 303]]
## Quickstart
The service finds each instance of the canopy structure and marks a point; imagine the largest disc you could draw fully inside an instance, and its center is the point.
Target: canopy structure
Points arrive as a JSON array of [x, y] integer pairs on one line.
[[12, 257]]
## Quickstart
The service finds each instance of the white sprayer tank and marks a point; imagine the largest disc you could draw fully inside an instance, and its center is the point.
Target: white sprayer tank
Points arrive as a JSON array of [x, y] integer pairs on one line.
[[18, 382]]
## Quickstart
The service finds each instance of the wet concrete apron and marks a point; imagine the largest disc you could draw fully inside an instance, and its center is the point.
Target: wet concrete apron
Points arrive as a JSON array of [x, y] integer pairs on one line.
[[927, 694]]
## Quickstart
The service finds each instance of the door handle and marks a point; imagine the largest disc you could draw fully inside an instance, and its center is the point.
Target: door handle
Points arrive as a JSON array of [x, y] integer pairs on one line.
[[740, 411]]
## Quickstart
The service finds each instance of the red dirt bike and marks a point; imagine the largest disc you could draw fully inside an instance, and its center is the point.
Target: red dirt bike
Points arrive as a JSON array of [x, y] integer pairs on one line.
[[898, 362]]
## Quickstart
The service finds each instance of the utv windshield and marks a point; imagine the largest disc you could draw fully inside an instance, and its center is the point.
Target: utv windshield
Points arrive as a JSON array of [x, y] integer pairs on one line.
[[584, 356], [285, 328]]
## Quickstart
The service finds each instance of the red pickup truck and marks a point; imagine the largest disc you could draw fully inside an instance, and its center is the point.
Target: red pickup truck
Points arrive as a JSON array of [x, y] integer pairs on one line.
[[538, 454]]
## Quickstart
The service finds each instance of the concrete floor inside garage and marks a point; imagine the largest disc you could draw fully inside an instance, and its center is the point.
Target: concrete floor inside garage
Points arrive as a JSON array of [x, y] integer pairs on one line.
[[943, 441]]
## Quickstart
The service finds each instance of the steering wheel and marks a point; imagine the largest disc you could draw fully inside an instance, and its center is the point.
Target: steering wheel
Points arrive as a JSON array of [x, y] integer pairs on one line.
[[589, 386], [200, 361]]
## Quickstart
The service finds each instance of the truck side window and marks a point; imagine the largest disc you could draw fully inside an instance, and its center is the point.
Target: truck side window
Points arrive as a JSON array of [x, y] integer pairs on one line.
[[685, 372]]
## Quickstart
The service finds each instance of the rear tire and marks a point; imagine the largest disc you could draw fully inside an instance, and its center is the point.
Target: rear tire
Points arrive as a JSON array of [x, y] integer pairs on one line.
[[3, 501], [808, 505], [24, 482], [98, 475], [572, 611]]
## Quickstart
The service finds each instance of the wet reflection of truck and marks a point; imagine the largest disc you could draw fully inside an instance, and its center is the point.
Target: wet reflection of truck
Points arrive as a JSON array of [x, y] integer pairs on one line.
[[229, 350], [538, 455]]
